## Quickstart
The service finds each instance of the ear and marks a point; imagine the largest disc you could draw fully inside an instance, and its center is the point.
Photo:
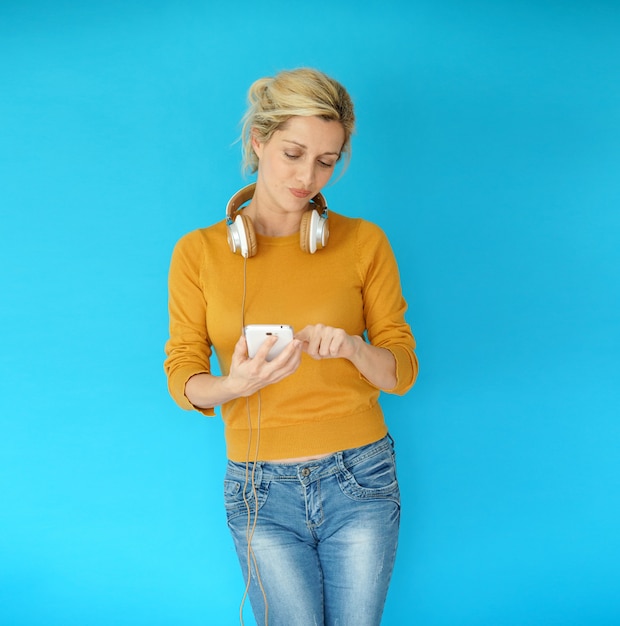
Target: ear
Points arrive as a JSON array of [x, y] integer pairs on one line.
[[257, 145]]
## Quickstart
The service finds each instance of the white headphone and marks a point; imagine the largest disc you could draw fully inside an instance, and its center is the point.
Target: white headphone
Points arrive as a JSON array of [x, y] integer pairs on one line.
[[313, 231]]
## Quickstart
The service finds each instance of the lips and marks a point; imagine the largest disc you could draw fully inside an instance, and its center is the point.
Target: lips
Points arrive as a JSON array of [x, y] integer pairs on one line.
[[300, 193]]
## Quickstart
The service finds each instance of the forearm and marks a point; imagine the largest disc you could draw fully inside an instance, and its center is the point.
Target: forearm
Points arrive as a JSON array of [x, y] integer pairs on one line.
[[377, 365], [206, 391]]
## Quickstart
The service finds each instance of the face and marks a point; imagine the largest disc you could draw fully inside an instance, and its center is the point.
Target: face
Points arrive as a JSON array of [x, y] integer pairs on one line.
[[297, 162]]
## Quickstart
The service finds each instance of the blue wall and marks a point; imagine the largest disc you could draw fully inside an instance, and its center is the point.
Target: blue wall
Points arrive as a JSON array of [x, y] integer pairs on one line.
[[488, 148]]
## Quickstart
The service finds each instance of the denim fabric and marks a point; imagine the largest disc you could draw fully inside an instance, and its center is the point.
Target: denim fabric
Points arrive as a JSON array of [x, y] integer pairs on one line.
[[325, 537]]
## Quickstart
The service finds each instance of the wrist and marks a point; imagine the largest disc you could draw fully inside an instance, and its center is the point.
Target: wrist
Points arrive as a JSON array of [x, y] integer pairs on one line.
[[230, 387], [233, 387], [358, 345]]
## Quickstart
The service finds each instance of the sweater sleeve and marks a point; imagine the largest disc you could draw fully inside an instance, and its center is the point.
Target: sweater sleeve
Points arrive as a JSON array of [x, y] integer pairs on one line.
[[188, 349], [385, 306]]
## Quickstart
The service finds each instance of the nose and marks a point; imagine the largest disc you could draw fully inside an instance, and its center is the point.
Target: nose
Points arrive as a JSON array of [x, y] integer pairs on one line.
[[306, 174]]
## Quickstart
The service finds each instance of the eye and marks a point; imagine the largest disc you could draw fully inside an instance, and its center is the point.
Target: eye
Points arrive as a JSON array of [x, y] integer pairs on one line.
[[325, 164], [288, 155]]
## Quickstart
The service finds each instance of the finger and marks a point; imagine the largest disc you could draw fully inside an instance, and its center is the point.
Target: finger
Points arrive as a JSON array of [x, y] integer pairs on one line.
[[332, 348], [267, 344], [240, 352], [328, 347], [304, 334], [292, 353], [286, 363], [336, 344], [314, 341], [293, 347], [241, 347]]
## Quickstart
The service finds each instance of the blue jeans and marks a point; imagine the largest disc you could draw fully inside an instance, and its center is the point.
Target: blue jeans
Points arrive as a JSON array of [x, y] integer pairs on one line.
[[323, 545]]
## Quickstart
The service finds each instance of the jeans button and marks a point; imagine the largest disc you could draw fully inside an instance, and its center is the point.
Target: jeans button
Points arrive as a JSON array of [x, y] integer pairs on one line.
[[305, 472]]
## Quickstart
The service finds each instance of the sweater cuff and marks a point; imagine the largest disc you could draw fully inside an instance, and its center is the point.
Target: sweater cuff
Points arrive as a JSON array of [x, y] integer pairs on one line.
[[406, 369], [176, 386]]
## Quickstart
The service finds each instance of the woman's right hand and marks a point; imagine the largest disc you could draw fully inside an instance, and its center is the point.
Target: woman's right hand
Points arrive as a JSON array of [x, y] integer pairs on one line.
[[246, 376], [249, 375]]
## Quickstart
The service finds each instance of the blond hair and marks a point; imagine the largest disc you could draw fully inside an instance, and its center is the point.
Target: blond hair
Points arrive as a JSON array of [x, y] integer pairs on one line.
[[304, 92]]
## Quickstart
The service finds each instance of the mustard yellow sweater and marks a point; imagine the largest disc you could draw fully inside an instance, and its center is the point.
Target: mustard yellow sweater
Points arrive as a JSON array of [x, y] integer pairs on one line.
[[353, 283]]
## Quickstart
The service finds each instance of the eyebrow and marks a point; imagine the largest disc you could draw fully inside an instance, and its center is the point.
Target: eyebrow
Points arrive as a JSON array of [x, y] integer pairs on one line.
[[301, 145]]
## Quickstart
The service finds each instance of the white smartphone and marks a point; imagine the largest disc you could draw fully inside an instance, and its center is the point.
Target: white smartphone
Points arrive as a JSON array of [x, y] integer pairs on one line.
[[255, 335]]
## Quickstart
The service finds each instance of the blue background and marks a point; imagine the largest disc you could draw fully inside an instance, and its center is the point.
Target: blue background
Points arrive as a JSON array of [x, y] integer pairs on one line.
[[488, 148]]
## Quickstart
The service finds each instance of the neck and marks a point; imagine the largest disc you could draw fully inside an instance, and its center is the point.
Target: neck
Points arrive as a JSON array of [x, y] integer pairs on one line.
[[272, 222]]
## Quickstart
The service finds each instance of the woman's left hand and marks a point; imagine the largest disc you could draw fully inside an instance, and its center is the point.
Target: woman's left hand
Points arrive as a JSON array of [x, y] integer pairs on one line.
[[377, 365], [326, 342]]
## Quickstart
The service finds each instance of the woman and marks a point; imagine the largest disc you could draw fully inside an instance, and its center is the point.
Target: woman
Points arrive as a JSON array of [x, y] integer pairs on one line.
[[311, 493]]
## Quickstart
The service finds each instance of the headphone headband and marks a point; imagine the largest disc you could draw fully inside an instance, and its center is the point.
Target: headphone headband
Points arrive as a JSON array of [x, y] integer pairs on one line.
[[247, 193]]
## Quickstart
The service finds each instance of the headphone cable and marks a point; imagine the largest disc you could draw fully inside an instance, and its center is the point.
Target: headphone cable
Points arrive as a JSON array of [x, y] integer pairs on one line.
[[250, 480]]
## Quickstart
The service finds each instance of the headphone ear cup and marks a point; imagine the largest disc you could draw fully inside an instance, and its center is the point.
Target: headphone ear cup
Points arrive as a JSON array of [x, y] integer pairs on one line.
[[304, 229], [252, 244], [313, 231], [242, 237]]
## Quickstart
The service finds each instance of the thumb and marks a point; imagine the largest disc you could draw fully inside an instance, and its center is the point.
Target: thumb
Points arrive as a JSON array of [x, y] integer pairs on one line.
[[241, 348]]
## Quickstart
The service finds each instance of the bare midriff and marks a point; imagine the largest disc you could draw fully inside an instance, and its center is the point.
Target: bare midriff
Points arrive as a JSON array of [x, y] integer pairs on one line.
[[299, 459]]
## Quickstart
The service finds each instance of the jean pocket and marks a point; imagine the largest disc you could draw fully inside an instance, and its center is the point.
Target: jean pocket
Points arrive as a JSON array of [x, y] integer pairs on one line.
[[241, 496], [371, 477]]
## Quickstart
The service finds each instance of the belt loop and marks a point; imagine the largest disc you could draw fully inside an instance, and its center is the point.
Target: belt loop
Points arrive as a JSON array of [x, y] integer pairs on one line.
[[339, 460]]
